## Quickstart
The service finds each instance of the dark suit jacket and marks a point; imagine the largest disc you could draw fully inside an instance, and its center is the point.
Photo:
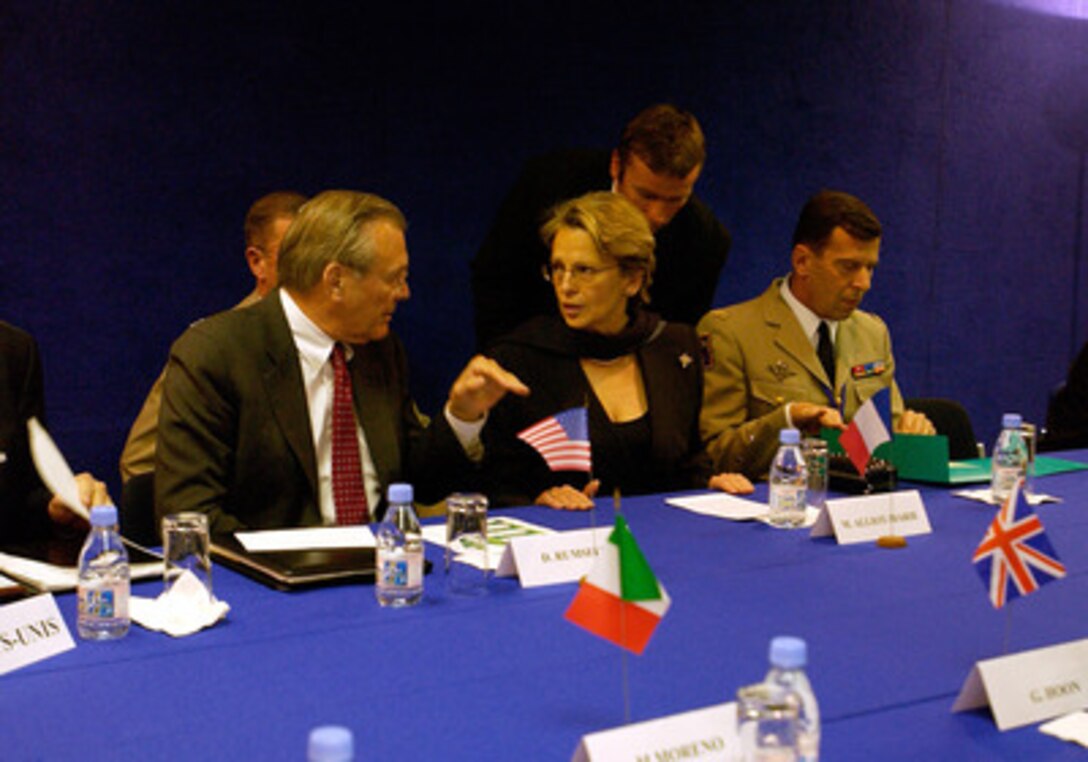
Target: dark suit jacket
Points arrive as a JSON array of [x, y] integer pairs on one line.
[[23, 498], [1067, 412], [507, 287], [234, 431], [673, 378]]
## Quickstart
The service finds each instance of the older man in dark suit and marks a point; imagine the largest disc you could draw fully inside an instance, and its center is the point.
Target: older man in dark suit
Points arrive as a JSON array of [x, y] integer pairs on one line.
[[256, 401]]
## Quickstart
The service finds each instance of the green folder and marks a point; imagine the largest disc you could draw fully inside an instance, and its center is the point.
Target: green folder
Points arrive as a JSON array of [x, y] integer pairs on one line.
[[919, 458]]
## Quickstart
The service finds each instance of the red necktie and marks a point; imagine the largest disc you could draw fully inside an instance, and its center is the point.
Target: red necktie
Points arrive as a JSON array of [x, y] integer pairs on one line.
[[348, 492]]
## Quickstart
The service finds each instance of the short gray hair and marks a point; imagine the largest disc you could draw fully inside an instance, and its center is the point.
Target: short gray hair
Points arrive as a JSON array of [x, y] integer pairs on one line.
[[330, 227]]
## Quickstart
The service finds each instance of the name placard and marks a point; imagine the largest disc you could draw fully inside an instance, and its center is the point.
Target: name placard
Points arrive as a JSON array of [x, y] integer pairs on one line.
[[30, 631], [1030, 686], [552, 559], [865, 518], [704, 734]]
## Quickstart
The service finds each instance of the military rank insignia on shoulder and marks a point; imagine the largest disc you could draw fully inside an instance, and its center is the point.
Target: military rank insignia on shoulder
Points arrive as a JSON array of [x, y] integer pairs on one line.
[[706, 351]]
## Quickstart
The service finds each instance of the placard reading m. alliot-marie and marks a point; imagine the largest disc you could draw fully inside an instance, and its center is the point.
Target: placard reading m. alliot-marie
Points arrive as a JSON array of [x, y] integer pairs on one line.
[[864, 519]]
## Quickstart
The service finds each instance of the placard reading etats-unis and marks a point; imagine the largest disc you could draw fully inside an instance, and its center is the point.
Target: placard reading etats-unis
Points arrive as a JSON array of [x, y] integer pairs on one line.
[[1030, 686], [864, 519], [554, 558], [30, 631], [708, 735]]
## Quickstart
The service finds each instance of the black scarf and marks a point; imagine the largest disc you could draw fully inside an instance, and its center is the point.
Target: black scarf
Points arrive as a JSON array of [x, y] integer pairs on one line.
[[552, 334]]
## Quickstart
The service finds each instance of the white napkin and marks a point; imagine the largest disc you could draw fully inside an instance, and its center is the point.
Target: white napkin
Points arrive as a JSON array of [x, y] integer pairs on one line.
[[983, 495], [185, 609]]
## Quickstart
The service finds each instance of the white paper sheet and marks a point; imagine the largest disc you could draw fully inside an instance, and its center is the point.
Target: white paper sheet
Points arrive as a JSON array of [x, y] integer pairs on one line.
[[53, 468], [983, 495], [1071, 727], [306, 538], [57, 578], [500, 530], [721, 505]]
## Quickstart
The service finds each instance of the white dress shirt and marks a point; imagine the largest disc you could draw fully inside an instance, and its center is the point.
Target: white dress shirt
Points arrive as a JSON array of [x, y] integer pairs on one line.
[[810, 324], [315, 361]]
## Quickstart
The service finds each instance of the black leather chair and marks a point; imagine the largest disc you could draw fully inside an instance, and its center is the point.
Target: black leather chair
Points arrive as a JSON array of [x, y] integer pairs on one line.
[[138, 510], [951, 419]]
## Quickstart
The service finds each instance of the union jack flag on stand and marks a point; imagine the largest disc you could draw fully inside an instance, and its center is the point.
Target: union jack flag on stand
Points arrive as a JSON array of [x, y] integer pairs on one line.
[[562, 440], [1015, 557]]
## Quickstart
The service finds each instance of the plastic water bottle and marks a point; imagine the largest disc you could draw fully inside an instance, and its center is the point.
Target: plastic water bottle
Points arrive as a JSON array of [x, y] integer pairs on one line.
[[788, 657], [1010, 457], [789, 479], [330, 743], [103, 579], [399, 551]]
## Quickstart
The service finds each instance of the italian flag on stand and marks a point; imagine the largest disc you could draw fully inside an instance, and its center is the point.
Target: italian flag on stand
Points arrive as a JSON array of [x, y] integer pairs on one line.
[[620, 599]]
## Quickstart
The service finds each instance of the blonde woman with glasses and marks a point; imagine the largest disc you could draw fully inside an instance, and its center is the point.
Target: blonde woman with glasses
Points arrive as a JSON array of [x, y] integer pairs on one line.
[[639, 377]]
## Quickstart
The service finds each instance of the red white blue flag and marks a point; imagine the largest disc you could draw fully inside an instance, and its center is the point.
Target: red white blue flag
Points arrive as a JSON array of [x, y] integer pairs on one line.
[[1015, 557], [620, 599], [870, 428], [562, 440]]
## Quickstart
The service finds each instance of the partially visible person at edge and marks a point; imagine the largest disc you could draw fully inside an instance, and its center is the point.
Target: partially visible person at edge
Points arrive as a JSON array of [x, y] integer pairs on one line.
[[655, 166], [28, 511], [638, 375], [1067, 412], [765, 367]]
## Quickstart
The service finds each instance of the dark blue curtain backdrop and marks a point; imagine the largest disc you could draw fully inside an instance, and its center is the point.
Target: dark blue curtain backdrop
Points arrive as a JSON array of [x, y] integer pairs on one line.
[[133, 136]]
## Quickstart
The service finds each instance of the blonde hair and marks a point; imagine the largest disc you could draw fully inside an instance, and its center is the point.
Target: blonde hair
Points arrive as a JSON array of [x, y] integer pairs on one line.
[[616, 226]]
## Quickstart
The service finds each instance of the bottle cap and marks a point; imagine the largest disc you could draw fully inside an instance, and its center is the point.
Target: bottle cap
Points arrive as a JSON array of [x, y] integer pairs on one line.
[[1011, 421], [331, 743], [789, 436], [788, 652], [103, 515], [400, 493]]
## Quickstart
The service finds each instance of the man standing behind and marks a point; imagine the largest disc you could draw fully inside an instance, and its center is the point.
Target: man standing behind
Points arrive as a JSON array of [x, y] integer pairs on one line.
[[802, 354], [265, 224], [295, 411], [656, 164]]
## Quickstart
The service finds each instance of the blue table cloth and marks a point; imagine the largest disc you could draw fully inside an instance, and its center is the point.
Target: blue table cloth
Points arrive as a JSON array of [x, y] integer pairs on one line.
[[892, 634]]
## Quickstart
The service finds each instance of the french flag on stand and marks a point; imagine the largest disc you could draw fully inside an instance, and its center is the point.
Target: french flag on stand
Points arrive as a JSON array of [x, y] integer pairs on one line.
[[869, 429]]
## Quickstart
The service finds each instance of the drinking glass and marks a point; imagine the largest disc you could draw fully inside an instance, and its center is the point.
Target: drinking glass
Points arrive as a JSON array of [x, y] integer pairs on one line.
[[186, 548], [466, 536], [815, 453]]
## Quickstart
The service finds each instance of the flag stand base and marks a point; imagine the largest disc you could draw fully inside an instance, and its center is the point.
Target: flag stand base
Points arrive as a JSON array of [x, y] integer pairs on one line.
[[891, 541]]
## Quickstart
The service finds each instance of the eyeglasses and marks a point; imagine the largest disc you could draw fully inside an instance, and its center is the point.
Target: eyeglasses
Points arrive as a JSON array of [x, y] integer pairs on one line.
[[578, 273]]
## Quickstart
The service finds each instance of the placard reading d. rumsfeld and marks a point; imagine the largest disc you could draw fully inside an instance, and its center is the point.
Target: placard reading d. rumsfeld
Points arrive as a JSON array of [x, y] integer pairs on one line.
[[555, 558], [1030, 686], [30, 631]]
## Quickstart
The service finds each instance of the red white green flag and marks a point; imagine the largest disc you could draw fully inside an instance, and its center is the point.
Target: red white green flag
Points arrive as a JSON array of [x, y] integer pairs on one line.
[[620, 599]]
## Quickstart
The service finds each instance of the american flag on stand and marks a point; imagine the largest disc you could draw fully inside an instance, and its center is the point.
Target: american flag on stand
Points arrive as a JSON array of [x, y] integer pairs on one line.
[[562, 440], [1015, 557]]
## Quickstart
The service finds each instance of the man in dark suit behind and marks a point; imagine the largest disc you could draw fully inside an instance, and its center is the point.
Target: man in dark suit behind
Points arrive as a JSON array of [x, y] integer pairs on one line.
[[655, 166], [245, 432]]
